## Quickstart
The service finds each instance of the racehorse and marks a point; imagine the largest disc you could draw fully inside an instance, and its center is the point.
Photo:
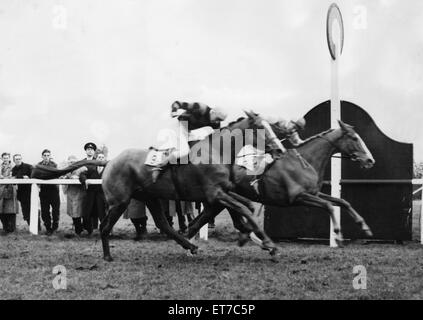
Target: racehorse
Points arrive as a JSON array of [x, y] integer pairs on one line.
[[302, 181], [127, 176]]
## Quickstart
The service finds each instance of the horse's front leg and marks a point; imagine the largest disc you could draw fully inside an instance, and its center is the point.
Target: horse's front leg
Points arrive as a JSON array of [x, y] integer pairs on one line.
[[359, 220], [309, 200]]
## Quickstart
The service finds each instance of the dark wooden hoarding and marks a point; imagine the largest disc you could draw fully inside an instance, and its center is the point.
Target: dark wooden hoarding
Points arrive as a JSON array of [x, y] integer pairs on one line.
[[382, 194]]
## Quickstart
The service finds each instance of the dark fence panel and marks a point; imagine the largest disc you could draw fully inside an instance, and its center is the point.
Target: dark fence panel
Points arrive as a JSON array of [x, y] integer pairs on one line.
[[382, 195]]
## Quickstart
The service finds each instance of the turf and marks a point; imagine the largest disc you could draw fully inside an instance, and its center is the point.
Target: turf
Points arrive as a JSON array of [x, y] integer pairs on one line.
[[157, 268]]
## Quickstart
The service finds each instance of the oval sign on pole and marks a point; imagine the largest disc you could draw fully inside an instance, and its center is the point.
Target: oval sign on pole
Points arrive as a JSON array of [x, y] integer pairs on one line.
[[334, 31]]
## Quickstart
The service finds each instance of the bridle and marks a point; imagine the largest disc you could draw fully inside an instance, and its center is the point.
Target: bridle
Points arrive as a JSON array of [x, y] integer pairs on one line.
[[350, 156]]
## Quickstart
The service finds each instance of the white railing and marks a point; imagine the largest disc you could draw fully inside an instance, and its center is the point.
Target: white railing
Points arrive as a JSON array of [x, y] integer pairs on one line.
[[33, 227]]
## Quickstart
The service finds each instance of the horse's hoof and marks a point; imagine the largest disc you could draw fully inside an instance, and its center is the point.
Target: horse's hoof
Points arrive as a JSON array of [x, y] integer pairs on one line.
[[368, 233], [274, 258], [108, 258], [339, 243], [243, 239], [273, 252], [194, 250], [269, 246]]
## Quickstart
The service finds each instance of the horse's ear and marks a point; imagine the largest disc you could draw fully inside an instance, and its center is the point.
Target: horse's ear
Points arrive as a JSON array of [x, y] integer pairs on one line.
[[343, 125], [249, 114]]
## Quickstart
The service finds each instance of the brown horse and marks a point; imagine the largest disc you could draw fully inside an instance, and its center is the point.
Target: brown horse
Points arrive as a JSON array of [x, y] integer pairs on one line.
[[301, 181], [127, 176]]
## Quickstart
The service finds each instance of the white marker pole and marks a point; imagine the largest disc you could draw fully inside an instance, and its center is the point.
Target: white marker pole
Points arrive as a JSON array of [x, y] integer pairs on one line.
[[335, 38], [204, 231], [33, 224], [421, 219]]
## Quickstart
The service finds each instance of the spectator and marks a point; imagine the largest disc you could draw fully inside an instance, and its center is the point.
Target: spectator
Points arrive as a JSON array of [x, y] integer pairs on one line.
[[166, 207], [49, 196], [182, 209], [185, 212], [136, 211], [94, 207], [74, 197], [23, 170], [90, 149], [8, 202]]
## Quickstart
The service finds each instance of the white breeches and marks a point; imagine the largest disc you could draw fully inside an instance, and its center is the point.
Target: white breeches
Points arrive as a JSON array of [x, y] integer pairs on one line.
[[174, 137]]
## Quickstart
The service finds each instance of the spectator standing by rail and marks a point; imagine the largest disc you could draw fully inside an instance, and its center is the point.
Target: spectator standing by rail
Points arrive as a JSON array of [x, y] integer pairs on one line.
[[49, 197], [74, 196], [136, 211], [8, 202], [23, 170]]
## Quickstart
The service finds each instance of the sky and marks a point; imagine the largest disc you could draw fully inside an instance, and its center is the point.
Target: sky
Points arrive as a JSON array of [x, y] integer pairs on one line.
[[74, 71]]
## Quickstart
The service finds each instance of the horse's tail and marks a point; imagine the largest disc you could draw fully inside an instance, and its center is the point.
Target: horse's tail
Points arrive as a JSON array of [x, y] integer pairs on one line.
[[46, 172]]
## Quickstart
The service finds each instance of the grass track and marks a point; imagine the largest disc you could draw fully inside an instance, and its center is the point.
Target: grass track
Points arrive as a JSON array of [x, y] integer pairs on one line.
[[159, 269]]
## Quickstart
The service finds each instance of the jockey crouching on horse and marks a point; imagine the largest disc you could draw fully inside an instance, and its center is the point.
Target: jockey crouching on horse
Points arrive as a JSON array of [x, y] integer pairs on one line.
[[289, 129], [195, 122], [278, 130]]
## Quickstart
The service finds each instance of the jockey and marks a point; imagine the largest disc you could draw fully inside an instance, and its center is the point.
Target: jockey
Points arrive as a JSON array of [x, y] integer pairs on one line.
[[196, 121], [290, 129]]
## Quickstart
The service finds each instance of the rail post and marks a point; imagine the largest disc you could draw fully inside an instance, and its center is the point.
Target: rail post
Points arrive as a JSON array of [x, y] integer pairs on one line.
[[335, 40]]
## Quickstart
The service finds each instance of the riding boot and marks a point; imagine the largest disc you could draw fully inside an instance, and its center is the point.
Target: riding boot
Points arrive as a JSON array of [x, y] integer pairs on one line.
[[155, 174]]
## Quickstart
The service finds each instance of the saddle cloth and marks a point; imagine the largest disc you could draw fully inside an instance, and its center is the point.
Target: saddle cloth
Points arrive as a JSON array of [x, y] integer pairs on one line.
[[253, 160], [156, 156]]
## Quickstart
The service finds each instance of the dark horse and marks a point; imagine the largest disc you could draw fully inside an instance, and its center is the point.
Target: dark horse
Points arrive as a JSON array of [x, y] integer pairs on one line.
[[301, 183], [127, 176]]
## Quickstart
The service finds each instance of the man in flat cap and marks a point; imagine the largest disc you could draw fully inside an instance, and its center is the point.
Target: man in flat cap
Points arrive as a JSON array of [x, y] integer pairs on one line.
[[49, 197]]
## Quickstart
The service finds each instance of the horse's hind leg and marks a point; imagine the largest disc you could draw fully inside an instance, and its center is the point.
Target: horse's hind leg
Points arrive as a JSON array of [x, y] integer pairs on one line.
[[354, 214], [246, 202], [113, 215], [242, 210], [161, 221], [203, 218], [245, 229]]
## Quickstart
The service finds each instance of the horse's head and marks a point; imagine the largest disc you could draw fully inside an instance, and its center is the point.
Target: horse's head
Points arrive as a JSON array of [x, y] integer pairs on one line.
[[267, 133], [352, 145]]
